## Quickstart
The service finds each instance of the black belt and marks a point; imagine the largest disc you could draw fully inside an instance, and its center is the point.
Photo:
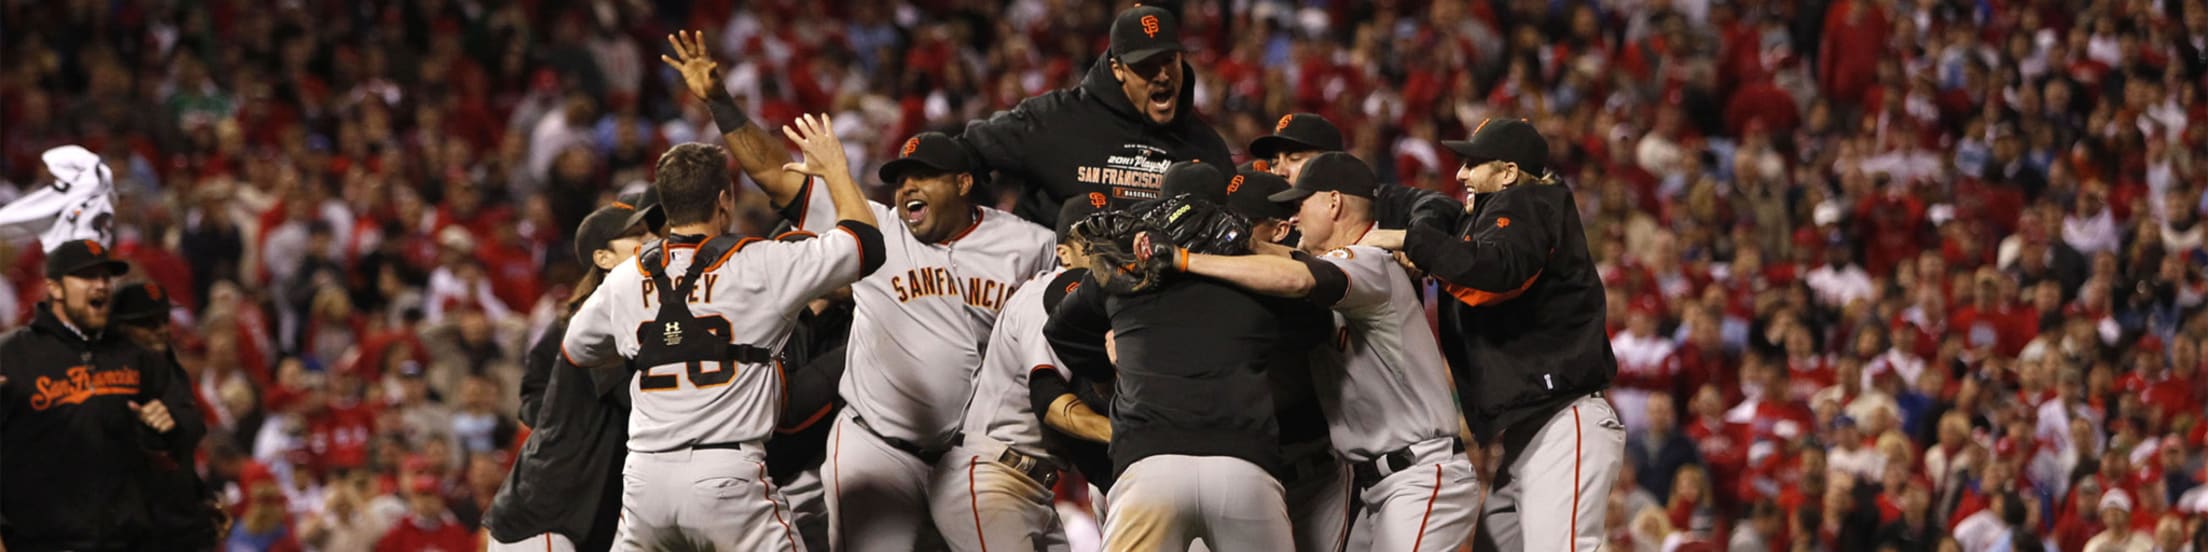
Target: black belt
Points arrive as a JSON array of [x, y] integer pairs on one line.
[[1370, 472], [1034, 468], [925, 454]]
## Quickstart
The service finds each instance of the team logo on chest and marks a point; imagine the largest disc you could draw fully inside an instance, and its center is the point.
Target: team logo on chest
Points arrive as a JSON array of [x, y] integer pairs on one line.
[[673, 334]]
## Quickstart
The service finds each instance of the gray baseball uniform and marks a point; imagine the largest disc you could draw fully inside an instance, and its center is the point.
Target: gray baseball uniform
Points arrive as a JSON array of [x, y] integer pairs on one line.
[[916, 342], [998, 480], [1385, 389], [695, 472]]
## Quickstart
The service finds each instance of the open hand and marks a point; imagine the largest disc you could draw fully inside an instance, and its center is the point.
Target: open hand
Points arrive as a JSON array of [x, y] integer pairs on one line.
[[155, 415], [815, 135], [693, 61]]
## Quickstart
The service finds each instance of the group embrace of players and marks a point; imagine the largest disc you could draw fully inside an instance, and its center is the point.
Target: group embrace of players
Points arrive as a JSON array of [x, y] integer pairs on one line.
[[1233, 356]]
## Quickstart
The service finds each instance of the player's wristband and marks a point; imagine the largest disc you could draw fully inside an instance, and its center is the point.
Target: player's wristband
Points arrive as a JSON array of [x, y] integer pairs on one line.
[[726, 114]]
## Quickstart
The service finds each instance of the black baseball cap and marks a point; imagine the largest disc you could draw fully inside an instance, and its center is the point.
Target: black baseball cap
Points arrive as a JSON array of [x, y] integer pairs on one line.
[[1298, 132], [644, 209], [930, 150], [1510, 140], [1332, 171], [1077, 208], [1250, 194], [601, 227], [1144, 31], [1196, 178], [75, 256], [143, 303]]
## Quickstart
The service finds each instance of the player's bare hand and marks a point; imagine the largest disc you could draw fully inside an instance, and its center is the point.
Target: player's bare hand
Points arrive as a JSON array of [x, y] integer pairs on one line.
[[815, 135], [693, 61], [155, 415], [1391, 240], [1408, 266], [1111, 347]]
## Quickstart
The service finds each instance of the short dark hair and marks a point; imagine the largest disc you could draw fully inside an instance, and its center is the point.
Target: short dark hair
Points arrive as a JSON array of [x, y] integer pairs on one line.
[[691, 178]]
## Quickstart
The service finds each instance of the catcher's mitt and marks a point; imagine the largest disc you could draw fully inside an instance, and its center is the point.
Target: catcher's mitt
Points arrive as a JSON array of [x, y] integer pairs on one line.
[[1123, 265]]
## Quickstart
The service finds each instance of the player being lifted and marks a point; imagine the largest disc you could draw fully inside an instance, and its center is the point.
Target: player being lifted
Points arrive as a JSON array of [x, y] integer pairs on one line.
[[1382, 380], [921, 322], [699, 313]]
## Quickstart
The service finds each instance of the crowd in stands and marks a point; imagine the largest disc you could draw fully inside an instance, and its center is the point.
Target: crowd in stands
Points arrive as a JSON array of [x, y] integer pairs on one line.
[[1882, 274]]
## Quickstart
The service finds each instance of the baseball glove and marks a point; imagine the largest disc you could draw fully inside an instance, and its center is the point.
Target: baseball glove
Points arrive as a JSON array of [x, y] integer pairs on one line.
[[1124, 261]]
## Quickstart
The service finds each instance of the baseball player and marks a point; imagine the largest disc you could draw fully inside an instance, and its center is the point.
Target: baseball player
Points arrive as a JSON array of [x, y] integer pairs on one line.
[[698, 314], [920, 324], [1003, 465], [1526, 337], [1298, 137], [561, 493], [1382, 380], [1132, 116], [1318, 484], [76, 204], [1195, 445]]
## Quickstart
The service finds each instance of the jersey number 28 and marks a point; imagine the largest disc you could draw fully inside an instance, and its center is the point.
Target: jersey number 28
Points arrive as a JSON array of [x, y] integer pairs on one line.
[[709, 327]]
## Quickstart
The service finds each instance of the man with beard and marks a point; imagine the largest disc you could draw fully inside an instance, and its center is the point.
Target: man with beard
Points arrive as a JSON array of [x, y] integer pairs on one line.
[[1113, 135], [81, 406]]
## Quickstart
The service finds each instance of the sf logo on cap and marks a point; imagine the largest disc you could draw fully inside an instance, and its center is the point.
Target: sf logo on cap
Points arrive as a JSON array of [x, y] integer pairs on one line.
[[1234, 185], [1096, 199], [673, 334], [911, 144], [1283, 124], [1150, 25], [153, 291], [93, 247]]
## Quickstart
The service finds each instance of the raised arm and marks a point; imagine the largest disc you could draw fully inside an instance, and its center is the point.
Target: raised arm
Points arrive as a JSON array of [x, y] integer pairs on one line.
[[824, 158], [755, 150]]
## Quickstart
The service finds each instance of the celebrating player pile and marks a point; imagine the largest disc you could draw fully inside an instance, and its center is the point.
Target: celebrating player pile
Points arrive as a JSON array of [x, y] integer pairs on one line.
[[1166, 317]]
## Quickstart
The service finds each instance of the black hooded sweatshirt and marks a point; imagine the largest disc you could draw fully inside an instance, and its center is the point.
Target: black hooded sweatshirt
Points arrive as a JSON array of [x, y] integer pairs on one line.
[[1090, 139], [73, 455]]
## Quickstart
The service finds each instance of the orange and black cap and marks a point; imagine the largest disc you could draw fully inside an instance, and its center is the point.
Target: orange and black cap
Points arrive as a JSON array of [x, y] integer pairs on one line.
[[75, 256], [1298, 132], [934, 151], [1332, 171], [1250, 192], [1510, 140], [1077, 208], [1202, 180], [143, 303], [1142, 32], [601, 227]]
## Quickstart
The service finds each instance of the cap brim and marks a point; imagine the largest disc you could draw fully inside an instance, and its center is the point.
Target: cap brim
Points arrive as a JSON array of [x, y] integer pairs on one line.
[[1290, 195], [648, 216], [1461, 148], [1136, 57], [114, 267], [1268, 146]]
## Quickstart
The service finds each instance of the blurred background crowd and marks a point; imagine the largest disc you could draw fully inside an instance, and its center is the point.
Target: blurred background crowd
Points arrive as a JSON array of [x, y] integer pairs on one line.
[[1882, 273]]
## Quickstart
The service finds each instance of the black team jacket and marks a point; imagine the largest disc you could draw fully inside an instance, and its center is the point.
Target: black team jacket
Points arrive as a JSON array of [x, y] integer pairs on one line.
[[1524, 331], [1090, 139], [1193, 357], [73, 454]]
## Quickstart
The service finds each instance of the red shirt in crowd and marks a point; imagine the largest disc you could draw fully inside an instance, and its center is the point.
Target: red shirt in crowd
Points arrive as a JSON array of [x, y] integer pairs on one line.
[[414, 534]]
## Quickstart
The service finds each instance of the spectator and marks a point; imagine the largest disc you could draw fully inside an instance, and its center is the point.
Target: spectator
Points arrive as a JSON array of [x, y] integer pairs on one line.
[[428, 525], [2115, 513], [1657, 453]]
